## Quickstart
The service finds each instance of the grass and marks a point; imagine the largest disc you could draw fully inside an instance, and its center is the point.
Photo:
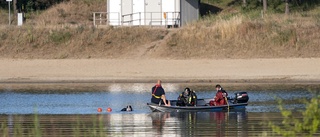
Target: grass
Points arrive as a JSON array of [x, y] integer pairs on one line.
[[74, 12], [74, 42], [80, 126], [231, 36], [60, 36], [65, 31]]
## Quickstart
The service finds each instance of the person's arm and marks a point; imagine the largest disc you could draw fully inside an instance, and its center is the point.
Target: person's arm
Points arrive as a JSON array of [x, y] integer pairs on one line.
[[219, 95], [215, 98]]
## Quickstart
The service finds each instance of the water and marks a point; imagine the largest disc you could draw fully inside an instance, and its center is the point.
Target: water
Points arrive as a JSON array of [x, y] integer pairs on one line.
[[89, 102], [71, 113]]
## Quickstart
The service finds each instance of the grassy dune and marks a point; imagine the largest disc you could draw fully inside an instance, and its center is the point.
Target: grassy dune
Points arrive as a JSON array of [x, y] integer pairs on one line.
[[247, 36], [65, 31]]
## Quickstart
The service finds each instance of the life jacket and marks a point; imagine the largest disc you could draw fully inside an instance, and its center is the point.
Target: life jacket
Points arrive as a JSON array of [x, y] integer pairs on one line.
[[225, 94], [192, 99], [154, 91]]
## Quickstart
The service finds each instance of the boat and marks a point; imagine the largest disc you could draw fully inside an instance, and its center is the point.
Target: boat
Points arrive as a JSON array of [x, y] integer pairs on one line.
[[240, 101]]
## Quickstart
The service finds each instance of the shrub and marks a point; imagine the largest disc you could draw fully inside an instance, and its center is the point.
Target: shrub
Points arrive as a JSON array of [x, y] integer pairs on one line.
[[291, 126]]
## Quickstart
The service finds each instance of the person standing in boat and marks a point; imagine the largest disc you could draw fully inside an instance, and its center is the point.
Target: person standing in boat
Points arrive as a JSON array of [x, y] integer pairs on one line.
[[220, 98], [158, 95]]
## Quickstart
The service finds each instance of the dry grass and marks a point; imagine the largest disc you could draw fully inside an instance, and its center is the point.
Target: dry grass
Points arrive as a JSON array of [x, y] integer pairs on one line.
[[65, 31], [4, 17], [79, 42], [75, 12], [240, 36]]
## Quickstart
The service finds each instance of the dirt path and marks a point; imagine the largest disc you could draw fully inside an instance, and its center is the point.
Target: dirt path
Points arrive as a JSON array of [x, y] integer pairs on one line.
[[149, 50]]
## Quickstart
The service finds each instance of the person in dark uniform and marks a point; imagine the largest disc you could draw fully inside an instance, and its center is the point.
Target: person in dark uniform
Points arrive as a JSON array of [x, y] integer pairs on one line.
[[192, 98], [187, 98], [183, 98], [158, 95]]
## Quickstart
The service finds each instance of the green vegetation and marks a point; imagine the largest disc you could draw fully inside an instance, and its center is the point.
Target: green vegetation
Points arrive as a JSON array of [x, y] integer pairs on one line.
[[291, 126], [60, 36], [22, 126], [277, 6]]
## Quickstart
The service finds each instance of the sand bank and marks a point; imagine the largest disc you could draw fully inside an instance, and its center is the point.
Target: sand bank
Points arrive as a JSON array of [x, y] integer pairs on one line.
[[148, 70]]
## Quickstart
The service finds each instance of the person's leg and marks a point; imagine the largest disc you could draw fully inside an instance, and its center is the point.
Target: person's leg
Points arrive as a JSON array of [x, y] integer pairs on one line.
[[212, 103], [168, 102], [179, 103]]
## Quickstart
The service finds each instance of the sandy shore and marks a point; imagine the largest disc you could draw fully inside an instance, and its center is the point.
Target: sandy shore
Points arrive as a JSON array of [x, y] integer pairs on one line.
[[148, 70]]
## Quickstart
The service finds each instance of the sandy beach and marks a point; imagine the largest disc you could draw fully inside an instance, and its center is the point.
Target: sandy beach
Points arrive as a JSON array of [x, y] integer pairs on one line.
[[147, 70]]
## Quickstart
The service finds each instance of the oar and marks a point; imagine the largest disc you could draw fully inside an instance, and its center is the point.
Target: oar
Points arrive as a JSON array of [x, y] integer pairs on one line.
[[225, 98]]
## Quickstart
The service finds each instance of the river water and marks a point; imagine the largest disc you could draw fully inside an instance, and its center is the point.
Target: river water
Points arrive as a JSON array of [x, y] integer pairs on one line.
[[71, 113]]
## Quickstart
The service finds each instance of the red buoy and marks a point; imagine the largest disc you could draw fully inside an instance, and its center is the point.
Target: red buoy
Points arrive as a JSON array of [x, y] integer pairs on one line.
[[99, 109], [109, 109]]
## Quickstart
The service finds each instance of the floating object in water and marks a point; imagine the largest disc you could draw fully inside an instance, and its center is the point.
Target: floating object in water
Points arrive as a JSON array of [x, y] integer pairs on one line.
[[128, 108], [99, 109], [109, 109]]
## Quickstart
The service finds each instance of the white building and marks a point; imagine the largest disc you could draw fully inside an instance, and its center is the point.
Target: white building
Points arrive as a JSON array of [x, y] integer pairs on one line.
[[170, 13]]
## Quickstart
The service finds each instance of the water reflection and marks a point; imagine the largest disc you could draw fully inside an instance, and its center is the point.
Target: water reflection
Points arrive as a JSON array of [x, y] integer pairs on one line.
[[158, 121], [200, 123], [218, 124]]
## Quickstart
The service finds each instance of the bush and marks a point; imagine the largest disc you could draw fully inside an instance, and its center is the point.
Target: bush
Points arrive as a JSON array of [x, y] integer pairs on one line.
[[309, 124]]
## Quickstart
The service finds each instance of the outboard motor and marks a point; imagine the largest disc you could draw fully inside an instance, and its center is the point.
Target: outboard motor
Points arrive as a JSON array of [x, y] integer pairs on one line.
[[241, 97]]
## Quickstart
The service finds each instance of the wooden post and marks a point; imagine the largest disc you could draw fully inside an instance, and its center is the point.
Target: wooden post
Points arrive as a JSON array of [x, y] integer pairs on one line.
[[244, 3], [287, 7], [14, 7], [94, 19], [9, 12], [265, 6]]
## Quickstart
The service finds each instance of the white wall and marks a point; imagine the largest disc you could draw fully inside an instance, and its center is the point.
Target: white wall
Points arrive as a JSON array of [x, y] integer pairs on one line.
[[144, 12], [169, 7], [114, 12], [126, 8], [138, 12], [153, 12]]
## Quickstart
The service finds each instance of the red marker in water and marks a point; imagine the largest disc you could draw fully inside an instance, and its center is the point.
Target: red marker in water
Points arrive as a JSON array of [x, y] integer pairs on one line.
[[99, 109], [109, 109]]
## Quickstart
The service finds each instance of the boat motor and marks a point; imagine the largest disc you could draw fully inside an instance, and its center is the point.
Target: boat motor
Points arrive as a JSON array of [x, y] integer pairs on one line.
[[241, 97]]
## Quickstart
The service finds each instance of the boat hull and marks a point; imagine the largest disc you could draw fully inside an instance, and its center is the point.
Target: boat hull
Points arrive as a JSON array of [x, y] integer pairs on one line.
[[162, 108]]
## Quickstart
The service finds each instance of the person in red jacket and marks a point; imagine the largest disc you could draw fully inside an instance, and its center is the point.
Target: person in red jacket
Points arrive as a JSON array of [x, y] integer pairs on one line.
[[220, 98]]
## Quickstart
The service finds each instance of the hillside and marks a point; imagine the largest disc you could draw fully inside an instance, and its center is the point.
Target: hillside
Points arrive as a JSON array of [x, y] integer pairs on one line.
[[65, 31]]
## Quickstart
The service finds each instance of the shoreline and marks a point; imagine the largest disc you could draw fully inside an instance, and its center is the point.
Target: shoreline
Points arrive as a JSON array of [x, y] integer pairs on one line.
[[293, 71], [165, 80], [170, 86]]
